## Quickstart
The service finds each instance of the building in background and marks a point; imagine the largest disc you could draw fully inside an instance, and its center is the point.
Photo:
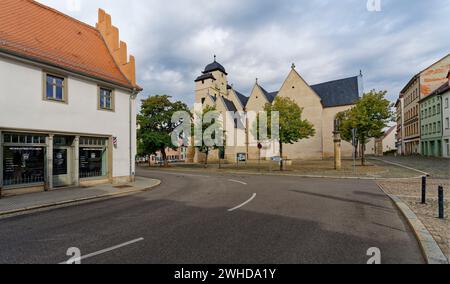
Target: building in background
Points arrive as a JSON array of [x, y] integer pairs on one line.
[[399, 106], [389, 140], [387, 143], [411, 140], [418, 88], [173, 156], [431, 124], [321, 103], [445, 89], [67, 100]]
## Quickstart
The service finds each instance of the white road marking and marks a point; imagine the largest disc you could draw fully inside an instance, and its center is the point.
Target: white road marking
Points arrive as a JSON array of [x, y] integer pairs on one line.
[[105, 250], [243, 204], [402, 166], [237, 181]]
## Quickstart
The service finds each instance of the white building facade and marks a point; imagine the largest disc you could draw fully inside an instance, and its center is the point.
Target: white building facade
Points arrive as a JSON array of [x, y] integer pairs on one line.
[[64, 121]]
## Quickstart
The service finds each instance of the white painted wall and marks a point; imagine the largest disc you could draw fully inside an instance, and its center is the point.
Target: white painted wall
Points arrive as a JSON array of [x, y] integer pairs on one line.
[[22, 107], [389, 142]]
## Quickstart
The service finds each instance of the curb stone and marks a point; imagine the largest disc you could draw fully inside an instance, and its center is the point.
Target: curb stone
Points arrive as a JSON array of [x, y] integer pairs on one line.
[[430, 249], [72, 201]]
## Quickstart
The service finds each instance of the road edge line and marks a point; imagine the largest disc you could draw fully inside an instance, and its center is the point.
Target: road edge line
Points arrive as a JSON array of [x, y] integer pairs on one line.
[[72, 201], [400, 165], [430, 249]]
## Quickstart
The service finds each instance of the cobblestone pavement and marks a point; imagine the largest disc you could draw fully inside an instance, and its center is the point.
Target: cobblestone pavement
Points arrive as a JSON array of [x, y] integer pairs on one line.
[[437, 167], [410, 193]]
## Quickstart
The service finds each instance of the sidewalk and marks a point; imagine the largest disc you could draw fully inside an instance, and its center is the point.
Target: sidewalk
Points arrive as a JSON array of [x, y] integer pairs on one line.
[[408, 194], [40, 200]]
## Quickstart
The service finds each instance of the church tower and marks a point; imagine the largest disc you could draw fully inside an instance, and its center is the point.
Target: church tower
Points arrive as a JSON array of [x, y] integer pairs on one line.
[[213, 82]]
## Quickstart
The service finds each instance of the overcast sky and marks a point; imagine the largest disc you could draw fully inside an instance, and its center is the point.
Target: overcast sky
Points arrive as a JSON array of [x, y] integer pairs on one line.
[[173, 40]]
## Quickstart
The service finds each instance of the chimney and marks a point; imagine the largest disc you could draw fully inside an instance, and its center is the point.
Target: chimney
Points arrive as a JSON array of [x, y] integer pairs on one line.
[[117, 48]]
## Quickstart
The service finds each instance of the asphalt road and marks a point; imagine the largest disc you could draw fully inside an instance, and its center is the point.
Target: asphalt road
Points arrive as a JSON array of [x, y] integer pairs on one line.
[[219, 219]]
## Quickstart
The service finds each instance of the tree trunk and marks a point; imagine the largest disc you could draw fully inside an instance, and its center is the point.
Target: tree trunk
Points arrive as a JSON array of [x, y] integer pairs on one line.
[[206, 159], [356, 151], [281, 156], [363, 154], [164, 156]]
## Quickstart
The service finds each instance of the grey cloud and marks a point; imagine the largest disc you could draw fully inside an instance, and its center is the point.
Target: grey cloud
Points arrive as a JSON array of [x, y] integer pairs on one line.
[[327, 39]]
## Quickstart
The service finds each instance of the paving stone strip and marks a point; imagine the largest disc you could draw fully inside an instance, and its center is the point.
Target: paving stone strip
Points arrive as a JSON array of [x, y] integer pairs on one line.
[[409, 193], [34, 201]]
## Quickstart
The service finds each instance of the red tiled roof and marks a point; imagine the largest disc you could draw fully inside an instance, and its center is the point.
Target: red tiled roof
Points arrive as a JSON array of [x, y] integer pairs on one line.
[[40, 33]]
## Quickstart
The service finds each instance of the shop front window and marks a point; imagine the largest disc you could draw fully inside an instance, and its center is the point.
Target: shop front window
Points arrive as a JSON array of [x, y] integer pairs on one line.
[[23, 158], [93, 157], [92, 163], [23, 165]]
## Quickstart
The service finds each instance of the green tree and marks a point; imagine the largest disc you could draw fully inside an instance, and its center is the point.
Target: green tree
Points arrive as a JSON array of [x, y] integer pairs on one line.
[[206, 127], [155, 125], [370, 116], [292, 127]]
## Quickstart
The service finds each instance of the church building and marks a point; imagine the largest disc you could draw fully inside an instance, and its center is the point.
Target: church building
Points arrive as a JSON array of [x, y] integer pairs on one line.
[[320, 103]]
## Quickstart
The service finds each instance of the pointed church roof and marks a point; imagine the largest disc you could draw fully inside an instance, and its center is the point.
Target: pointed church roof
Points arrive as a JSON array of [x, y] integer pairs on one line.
[[215, 66], [339, 92]]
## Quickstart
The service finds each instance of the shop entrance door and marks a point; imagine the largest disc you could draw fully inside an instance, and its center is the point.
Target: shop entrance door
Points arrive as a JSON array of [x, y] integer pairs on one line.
[[62, 166]]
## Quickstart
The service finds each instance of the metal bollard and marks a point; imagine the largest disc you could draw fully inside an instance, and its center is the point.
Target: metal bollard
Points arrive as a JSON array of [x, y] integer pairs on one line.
[[424, 190], [441, 203]]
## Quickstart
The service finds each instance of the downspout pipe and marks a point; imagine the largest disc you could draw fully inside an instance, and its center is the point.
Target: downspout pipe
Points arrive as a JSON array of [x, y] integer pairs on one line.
[[133, 96]]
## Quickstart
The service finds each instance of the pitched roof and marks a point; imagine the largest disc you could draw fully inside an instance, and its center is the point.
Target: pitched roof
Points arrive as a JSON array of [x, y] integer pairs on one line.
[[243, 99], [33, 31], [339, 92], [205, 77], [229, 105], [269, 96], [415, 77], [439, 91], [272, 96]]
